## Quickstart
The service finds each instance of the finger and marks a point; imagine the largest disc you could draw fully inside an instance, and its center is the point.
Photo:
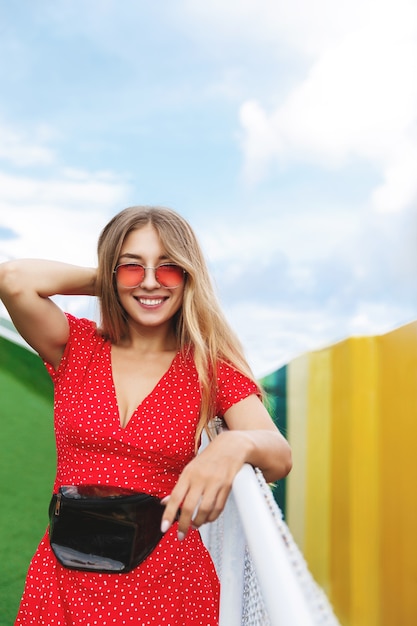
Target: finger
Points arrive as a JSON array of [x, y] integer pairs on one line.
[[209, 509], [188, 509], [172, 505], [211, 506], [204, 508]]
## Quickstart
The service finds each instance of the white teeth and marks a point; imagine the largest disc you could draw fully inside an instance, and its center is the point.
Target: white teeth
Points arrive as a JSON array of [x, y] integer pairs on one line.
[[150, 302]]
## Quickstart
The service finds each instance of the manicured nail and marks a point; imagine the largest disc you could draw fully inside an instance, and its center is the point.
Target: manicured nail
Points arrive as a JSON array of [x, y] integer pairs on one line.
[[165, 500], [181, 536], [165, 525]]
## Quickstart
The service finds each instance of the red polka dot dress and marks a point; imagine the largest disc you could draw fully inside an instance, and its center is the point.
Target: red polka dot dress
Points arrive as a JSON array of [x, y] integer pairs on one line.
[[177, 584]]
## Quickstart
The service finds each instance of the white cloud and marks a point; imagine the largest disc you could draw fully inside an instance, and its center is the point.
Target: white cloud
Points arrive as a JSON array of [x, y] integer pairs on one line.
[[302, 25], [71, 188], [274, 335], [300, 237], [399, 189], [59, 217], [17, 149], [291, 283], [359, 100], [55, 212]]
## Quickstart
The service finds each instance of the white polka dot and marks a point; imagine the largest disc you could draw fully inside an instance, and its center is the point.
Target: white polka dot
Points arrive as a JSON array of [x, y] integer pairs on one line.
[[177, 583]]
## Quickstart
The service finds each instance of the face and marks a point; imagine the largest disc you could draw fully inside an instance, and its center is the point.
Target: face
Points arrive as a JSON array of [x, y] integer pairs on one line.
[[149, 304]]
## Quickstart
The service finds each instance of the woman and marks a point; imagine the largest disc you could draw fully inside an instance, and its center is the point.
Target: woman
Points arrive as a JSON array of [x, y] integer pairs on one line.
[[132, 398]]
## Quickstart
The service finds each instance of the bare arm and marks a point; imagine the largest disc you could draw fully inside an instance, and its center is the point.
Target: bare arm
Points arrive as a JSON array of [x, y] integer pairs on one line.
[[206, 482], [25, 288]]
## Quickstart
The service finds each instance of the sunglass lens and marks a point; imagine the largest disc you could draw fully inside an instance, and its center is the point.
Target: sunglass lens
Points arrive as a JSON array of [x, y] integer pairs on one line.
[[130, 275], [169, 275]]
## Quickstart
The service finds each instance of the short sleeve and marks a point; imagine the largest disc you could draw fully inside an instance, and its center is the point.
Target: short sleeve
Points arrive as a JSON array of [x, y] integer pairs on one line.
[[232, 386], [81, 341]]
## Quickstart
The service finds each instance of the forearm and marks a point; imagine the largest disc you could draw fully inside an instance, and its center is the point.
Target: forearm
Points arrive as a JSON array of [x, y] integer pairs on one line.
[[45, 278]]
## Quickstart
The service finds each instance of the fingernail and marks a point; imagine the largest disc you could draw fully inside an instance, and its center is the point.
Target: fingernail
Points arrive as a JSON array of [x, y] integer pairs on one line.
[[165, 500], [181, 536], [165, 525]]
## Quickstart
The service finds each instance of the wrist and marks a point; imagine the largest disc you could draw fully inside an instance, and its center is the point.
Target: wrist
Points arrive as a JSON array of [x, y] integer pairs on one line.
[[239, 444]]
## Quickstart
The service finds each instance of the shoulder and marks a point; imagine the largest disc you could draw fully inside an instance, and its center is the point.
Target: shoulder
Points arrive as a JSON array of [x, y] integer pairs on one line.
[[226, 372], [232, 386], [81, 324], [83, 334], [84, 339]]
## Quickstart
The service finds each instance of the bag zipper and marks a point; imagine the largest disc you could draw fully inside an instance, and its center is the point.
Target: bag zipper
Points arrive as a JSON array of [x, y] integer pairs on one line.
[[58, 503]]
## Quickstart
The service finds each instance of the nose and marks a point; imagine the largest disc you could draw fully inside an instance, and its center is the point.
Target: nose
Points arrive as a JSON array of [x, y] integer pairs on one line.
[[149, 280]]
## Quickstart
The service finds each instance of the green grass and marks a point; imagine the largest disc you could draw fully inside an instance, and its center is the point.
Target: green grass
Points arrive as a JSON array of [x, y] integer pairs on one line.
[[27, 467]]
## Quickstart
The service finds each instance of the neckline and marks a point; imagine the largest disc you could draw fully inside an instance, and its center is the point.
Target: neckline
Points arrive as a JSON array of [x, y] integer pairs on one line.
[[145, 399]]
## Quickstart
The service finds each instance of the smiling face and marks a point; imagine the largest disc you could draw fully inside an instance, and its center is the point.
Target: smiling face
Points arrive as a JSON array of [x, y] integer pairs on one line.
[[150, 304]]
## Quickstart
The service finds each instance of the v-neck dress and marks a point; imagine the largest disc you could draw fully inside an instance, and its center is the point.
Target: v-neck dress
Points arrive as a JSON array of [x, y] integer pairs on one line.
[[177, 584]]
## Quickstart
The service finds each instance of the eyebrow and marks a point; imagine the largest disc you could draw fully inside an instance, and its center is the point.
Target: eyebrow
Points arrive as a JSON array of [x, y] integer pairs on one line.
[[128, 255], [138, 257]]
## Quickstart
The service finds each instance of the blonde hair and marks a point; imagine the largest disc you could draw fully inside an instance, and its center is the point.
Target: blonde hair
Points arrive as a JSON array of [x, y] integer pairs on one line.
[[199, 325]]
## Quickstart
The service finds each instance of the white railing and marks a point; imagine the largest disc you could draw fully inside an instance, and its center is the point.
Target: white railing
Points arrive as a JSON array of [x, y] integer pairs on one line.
[[264, 578]]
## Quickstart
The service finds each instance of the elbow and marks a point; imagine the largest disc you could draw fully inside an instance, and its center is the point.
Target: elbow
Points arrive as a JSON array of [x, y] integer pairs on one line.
[[287, 461], [3, 277], [283, 464], [6, 278], [10, 282]]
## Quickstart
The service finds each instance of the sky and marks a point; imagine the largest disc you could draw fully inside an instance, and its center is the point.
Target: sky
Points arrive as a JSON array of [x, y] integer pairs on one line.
[[285, 132]]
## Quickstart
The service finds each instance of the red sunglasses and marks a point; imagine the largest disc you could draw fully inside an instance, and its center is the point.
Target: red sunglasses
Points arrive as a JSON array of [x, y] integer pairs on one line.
[[131, 275]]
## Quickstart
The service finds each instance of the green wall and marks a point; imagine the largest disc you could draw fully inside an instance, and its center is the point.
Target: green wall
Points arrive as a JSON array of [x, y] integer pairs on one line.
[[275, 386], [27, 467]]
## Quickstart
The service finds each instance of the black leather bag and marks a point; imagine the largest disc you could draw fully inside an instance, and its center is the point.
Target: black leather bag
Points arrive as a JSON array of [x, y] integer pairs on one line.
[[103, 529]]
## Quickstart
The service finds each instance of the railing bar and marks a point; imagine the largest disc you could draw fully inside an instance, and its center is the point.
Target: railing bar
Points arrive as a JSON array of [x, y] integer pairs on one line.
[[233, 561], [284, 600]]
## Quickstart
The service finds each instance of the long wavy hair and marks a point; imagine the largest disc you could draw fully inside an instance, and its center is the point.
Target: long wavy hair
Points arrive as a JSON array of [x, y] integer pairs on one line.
[[199, 325]]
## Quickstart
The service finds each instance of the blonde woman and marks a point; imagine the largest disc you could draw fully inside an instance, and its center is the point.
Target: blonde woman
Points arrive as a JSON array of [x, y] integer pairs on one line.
[[132, 398]]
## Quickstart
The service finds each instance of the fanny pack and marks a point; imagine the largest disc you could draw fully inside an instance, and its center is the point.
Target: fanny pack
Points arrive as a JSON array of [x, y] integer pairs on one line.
[[103, 529]]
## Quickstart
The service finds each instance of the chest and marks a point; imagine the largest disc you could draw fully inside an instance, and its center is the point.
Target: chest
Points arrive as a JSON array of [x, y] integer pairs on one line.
[[135, 377]]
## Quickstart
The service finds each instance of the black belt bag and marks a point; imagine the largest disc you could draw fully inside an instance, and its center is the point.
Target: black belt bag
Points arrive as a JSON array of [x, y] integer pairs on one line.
[[103, 529]]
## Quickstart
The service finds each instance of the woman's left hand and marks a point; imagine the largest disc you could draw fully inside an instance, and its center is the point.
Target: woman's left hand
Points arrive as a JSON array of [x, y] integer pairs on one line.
[[205, 483]]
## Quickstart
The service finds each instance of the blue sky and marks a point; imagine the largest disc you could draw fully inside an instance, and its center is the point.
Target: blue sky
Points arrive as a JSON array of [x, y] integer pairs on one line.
[[285, 132]]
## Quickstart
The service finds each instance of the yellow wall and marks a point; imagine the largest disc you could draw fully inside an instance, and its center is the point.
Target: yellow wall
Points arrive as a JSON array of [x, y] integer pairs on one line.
[[398, 472], [351, 498]]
